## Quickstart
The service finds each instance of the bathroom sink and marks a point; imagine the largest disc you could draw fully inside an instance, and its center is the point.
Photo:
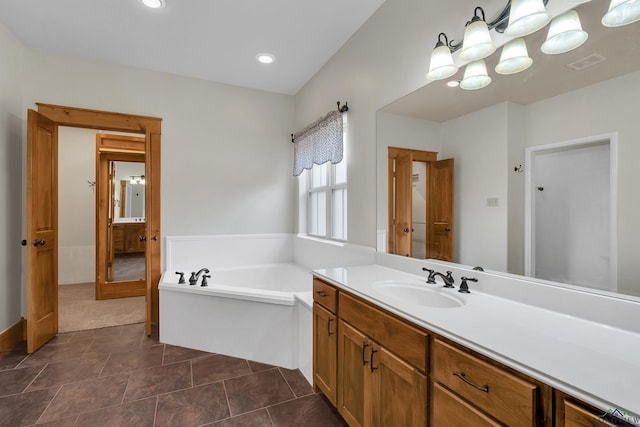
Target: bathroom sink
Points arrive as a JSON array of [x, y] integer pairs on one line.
[[416, 294]]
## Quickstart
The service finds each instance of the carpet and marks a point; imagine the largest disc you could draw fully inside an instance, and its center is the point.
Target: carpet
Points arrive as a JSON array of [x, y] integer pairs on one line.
[[78, 309]]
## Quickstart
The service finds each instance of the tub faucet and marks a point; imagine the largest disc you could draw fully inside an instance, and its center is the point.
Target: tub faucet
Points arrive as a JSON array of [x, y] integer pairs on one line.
[[195, 276]]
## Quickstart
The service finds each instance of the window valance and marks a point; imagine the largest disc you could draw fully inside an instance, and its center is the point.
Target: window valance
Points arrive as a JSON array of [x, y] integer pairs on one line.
[[318, 143]]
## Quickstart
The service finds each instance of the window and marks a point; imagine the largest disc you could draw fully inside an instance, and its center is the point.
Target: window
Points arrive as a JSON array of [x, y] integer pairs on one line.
[[327, 200]]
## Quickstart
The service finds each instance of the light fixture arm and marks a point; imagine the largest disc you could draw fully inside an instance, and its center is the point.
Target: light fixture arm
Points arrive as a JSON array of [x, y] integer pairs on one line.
[[499, 24]]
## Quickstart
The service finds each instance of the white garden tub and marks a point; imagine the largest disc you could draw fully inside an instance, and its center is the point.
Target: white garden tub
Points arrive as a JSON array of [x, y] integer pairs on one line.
[[257, 312]]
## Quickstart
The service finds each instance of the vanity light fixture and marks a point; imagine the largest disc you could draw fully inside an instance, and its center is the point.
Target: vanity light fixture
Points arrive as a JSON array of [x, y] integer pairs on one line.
[[514, 57], [526, 17], [265, 58], [565, 34], [154, 4], [477, 43], [137, 179], [475, 76], [441, 65], [622, 12]]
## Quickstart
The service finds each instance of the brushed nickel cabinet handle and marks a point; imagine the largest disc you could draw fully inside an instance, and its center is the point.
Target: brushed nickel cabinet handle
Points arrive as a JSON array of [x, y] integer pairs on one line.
[[463, 377]]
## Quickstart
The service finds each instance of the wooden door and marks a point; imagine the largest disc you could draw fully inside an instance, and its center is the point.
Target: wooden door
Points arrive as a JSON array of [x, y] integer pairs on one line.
[[353, 376], [400, 395], [403, 224], [441, 210], [110, 229], [42, 230], [324, 352]]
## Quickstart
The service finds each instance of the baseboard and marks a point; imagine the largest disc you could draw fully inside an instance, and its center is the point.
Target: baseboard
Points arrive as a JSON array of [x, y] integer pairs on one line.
[[13, 335]]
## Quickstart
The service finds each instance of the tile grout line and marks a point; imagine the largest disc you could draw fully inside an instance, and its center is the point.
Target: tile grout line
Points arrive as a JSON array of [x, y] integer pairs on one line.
[[226, 395], [287, 382], [49, 404]]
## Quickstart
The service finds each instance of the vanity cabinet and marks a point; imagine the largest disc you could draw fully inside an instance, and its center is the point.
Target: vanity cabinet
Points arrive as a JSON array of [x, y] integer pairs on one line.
[[126, 237], [378, 369], [325, 339]]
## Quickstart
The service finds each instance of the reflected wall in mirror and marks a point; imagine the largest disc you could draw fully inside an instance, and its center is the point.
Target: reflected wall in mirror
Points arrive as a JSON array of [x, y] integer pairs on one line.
[[590, 92]]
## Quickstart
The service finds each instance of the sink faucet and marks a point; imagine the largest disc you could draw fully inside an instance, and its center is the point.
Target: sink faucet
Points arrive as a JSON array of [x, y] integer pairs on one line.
[[195, 276], [448, 279]]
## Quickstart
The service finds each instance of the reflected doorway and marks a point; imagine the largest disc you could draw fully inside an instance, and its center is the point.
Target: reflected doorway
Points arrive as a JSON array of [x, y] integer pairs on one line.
[[420, 204]]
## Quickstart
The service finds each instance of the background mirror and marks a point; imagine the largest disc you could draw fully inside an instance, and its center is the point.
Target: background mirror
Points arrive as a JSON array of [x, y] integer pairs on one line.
[[126, 250], [587, 93]]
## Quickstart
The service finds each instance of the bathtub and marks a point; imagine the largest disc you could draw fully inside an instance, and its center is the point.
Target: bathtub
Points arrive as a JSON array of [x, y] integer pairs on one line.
[[258, 312]]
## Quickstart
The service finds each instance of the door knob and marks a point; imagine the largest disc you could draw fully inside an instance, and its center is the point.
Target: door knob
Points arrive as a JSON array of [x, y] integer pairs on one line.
[[23, 243], [406, 229], [143, 238], [40, 242], [447, 229], [154, 238]]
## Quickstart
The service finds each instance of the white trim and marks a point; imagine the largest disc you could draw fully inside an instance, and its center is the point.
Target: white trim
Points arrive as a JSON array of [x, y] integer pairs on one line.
[[529, 207]]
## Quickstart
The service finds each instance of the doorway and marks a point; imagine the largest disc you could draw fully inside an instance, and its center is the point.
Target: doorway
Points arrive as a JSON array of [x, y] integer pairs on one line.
[[571, 212], [420, 204], [42, 209]]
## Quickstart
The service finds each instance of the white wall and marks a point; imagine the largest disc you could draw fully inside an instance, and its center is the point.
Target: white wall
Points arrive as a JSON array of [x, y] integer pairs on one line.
[[478, 143], [11, 179], [76, 205]]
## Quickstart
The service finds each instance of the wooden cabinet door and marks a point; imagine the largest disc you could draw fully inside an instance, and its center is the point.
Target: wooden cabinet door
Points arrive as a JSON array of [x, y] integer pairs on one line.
[[354, 379], [325, 352], [441, 210], [400, 393]]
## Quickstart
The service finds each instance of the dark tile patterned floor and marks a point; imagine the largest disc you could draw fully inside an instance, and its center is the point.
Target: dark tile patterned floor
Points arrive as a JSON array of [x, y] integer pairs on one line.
[[120, 377]]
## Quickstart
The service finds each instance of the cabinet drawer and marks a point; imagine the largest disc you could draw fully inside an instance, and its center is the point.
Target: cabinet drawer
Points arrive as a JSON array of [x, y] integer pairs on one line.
[[576, 415], [325, 294], [407, 341], [502, 395], [450, 410]]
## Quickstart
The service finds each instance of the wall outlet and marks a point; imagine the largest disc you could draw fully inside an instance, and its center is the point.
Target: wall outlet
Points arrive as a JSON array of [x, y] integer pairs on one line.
[[492, 202]]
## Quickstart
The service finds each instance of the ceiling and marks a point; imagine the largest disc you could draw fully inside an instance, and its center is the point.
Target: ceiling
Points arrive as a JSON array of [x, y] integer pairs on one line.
[[212, 40], [549, 75]]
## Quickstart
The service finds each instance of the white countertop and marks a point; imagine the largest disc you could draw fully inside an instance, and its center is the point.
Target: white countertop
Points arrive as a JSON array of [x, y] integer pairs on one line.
[[596, 363]]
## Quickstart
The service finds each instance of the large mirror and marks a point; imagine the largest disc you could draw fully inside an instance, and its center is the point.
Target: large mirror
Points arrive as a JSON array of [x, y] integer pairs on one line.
[[127, 208], [586, 99]]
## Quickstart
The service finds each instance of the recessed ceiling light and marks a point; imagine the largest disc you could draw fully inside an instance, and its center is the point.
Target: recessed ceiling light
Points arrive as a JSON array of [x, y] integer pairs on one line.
[[453, 83], [265, 58], [154, 4]]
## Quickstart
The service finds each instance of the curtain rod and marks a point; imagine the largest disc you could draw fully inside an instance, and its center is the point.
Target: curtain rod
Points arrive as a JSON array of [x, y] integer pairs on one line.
[[342, 109]]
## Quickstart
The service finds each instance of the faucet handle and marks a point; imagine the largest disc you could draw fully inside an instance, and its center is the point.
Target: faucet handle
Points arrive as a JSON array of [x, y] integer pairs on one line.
[[193, 280], [431, 278], [464, 287], [181, 279], [204, 280]]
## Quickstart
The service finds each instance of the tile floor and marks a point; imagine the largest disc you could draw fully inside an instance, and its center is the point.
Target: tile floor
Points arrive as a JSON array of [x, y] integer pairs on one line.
[[120, 377]]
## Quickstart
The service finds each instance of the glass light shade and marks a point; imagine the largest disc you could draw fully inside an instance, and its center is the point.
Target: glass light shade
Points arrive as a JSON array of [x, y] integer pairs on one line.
[[475, 76], [154, 4], [477, 43], [565, 34], [526, 17], [622, 12], [441, 65], [514, 57]]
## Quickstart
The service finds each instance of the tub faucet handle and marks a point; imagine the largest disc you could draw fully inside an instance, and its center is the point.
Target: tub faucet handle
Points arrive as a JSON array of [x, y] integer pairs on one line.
[[193, 279], [181, 279], [204, 279]]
